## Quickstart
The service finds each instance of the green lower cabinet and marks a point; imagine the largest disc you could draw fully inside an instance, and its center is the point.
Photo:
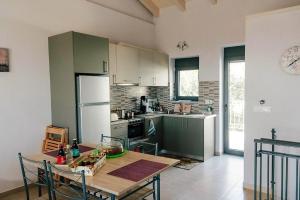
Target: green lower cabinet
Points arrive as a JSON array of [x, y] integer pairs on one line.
[[172, 129], [192, 137], [158, 136]]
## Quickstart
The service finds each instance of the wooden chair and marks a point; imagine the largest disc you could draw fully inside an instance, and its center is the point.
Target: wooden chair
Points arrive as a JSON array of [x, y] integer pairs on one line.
[[54, 137], [35, 173]]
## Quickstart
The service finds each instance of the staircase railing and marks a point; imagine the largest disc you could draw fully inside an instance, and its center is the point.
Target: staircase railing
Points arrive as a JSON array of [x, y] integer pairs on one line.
[[262, 151]]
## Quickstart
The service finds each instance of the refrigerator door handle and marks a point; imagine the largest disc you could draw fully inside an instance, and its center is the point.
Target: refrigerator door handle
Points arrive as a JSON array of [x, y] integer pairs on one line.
[[93, 104]]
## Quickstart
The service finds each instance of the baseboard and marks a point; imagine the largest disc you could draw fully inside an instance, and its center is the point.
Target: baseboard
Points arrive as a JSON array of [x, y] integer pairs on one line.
[[18, 189], [200, 158], [250, 188]]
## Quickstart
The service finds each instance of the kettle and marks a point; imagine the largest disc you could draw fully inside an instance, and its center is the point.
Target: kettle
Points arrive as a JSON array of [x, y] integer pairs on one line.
[[114, 117]]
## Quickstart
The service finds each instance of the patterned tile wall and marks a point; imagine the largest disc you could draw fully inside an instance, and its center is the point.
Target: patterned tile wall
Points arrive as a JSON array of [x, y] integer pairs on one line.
[[129, 97], [208, 90]]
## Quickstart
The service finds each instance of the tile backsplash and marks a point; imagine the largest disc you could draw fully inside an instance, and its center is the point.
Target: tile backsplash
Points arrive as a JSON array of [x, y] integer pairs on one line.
[[128, 97]]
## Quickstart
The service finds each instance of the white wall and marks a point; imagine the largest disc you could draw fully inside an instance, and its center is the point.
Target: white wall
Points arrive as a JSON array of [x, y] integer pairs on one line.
[[25, 91], [209, 28], [24, 97], [57, 16], [267, 37]]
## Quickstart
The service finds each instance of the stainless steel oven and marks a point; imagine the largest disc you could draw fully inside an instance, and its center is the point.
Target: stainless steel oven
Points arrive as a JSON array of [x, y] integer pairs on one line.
[[136, 128]]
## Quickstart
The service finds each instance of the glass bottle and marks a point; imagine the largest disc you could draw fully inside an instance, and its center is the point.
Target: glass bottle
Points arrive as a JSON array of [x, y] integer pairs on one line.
[[61, 156], [68, 154], [75, 149]]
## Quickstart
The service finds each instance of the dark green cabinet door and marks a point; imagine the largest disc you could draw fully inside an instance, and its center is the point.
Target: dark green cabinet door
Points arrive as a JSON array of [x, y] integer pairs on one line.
[[172, 127], [194, 136], [157, 138], [90, 54], [159, 132]]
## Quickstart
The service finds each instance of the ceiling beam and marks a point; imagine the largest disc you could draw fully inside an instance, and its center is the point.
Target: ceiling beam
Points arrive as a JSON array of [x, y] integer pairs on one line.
[[180, 4], [151, 6]]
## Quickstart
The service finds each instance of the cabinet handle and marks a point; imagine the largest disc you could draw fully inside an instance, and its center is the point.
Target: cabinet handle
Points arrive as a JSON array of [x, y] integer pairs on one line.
[[105, 66], [114, 79]]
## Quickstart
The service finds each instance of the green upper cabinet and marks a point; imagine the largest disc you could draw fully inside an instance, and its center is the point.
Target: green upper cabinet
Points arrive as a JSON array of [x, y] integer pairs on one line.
[[90, 54], [71, 53]]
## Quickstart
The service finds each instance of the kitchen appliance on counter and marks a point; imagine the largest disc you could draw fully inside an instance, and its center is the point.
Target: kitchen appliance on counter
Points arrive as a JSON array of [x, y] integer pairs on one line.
[[136, 128], [148, 104], [144, 104], [93, 107], [114, 117], [152, 104]]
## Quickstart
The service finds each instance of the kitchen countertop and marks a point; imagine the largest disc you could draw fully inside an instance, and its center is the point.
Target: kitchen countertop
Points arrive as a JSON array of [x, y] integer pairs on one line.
[[120, 121], [194, 115], [153, 115]]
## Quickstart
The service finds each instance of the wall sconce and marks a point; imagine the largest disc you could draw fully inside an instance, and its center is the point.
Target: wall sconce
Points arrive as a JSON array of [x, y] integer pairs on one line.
[[182, 45]]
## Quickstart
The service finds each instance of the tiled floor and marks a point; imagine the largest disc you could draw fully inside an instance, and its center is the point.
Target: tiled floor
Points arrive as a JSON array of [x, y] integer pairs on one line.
[[220, 178]]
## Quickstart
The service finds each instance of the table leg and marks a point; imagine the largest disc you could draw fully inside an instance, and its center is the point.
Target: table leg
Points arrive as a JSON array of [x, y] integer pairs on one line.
[[113, 197], [157, 187]]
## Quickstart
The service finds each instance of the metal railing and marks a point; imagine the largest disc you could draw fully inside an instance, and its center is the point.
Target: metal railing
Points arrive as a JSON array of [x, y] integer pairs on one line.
[[236, 115], [262, 151]]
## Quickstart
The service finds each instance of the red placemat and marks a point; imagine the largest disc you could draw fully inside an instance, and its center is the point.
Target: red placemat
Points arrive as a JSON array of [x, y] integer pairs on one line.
[[138, 170], [82, 149]]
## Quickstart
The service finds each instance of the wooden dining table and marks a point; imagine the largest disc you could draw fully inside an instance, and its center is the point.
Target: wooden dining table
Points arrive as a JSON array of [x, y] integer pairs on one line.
[[116, 186]]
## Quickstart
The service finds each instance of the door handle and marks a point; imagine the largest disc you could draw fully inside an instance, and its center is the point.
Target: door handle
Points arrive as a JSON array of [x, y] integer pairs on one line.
[[105, 66], [225, 107]]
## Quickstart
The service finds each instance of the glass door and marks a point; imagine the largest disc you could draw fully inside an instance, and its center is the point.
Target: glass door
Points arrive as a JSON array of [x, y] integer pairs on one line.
[[234, 102]]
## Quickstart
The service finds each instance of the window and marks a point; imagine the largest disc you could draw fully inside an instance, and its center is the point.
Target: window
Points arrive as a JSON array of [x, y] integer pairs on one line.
[[187, 78]]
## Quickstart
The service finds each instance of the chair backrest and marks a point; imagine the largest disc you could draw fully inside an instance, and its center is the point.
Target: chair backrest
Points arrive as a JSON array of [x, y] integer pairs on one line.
[[63, 187], [122, 140], [35, 173], [144, 147]]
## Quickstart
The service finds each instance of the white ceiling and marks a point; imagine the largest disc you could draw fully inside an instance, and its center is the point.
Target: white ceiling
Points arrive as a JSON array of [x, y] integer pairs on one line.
[[129, 7]]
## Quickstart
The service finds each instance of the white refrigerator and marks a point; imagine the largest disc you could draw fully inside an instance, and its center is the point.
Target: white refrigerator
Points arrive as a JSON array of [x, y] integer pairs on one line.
[[93, 108]]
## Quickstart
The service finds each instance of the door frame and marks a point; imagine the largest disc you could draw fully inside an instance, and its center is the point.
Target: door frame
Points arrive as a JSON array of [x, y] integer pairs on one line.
[[236, 53]]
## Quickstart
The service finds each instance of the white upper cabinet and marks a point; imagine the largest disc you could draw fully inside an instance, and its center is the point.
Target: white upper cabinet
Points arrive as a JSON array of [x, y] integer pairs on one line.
[[112, 63], [161, 69], [127, 65], [131, 65], [146, 70]]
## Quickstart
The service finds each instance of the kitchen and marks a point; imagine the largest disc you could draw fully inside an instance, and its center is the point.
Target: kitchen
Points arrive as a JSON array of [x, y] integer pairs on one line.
[[137, 77], [184, 92]]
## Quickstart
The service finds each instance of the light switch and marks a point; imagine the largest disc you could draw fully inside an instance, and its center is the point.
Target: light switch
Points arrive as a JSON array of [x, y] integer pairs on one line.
[[262, 109]]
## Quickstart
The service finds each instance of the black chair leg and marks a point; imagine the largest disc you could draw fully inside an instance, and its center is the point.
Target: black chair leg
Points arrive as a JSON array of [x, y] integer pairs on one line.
[[41, 173]]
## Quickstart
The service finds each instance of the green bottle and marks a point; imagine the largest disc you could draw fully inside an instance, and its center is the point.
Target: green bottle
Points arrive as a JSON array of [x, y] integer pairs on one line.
[[75, 149]]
